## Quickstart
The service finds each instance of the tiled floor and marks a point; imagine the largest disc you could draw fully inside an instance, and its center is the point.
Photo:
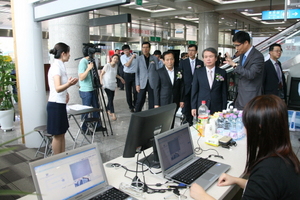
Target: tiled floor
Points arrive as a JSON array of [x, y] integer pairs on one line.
[[112, 145]]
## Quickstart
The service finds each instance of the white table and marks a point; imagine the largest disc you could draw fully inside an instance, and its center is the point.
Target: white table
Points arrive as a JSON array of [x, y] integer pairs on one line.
[[236, 157]]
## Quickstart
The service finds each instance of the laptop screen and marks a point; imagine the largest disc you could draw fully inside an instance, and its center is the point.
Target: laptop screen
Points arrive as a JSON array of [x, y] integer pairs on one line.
[[69, 176], [175, 146]]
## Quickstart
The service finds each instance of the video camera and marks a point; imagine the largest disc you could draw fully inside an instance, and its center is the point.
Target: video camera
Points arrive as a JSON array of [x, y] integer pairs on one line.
[[92, 49]]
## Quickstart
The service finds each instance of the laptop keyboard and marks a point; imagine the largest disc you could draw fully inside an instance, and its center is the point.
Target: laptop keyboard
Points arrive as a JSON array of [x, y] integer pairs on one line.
[[111, 194], [194, 171]]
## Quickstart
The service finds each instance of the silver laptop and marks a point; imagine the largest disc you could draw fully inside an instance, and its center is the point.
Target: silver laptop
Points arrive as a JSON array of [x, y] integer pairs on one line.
[[176, 153], [75, 174]]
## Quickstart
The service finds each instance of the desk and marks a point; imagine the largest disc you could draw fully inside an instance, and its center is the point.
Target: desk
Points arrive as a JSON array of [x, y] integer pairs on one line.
[[236, 157], [73, 113]]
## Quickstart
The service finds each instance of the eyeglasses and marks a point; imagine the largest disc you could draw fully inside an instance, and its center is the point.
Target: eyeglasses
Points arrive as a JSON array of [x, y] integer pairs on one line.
[[277, 51], [237, 45]]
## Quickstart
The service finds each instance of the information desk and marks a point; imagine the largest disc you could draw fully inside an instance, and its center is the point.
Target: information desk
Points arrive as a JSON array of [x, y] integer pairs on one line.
[[236, 157]]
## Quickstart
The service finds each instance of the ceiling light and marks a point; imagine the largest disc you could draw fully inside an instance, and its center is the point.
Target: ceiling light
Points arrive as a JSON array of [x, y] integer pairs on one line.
[[256, 18], [222, 18], [155, 11], [176, 16], [251, 14], [189, 19], [246, 10], [189, 7], [232, 1], [167, 22], [264, 22]]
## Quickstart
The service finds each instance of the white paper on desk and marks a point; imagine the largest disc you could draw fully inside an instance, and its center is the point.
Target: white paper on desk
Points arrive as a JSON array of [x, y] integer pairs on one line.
[[78, 107]]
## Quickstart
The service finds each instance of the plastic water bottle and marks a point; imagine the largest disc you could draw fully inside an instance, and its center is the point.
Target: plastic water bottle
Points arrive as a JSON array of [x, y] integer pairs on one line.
[[233, 129], [202, 118], [227, 126], [240, 126], [220, 124]]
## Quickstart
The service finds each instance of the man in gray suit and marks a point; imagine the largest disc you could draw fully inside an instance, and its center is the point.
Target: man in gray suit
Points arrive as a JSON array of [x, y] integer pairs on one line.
[[144, 77], [250, 69]]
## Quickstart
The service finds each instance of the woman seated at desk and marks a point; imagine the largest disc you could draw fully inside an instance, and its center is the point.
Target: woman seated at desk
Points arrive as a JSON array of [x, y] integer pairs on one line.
[[273, 167]]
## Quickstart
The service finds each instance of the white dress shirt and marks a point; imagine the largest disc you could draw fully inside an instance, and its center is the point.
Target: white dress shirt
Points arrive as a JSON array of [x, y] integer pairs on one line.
[[171, 75]]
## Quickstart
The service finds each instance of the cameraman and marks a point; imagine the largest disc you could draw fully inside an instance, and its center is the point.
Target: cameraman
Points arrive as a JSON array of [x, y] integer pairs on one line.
[[87, 92]]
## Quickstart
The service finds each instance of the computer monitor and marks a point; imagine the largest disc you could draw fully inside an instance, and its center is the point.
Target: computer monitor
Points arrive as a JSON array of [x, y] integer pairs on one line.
[[142, 128], [294, 97]]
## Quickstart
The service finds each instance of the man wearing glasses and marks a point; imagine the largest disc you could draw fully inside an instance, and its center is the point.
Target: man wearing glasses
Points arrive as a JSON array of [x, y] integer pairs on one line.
[[188, 67], [273, 78], [249, 69]]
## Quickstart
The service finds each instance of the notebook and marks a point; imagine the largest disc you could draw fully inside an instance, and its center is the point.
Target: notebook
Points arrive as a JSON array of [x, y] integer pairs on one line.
[[176, 153], [75, 174]]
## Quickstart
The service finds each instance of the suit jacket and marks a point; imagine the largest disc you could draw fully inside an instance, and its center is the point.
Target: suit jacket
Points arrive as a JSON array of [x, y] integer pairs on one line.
[[216, 96], [270, 79], [144, 73], [185, 66], [166, 93], [250, 78]]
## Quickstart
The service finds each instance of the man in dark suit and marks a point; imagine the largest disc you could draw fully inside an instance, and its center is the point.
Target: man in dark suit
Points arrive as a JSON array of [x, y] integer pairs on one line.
[[250, 69], [273, 77], [209, 84], [144, 77], [188, 67], [169, 86]]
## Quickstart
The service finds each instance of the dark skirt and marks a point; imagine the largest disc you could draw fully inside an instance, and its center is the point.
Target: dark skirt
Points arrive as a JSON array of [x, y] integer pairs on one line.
[[57, 121]]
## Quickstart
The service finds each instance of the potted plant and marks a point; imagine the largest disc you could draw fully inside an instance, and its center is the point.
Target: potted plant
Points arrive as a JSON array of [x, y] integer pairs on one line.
[[6, 94]]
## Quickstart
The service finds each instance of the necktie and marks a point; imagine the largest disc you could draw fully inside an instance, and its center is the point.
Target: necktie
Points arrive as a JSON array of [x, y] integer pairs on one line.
[[210, 78], [278, 71], [193, 66], [244, 59]]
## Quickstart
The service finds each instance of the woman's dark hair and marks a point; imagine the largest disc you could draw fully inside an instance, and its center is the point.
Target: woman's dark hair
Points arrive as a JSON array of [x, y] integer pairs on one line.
[[58, 49], [115, 55], [266, 121]]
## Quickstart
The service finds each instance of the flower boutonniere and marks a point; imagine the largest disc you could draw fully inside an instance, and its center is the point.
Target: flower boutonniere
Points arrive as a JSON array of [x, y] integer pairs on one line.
[[179, 75], [152, 62], [219, 77], [198, 66]]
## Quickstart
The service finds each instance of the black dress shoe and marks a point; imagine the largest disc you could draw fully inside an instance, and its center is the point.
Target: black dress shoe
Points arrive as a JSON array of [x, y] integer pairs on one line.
[[132, 110], [100, 129]]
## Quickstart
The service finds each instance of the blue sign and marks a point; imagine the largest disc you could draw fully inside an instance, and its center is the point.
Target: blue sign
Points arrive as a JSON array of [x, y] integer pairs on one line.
[[279, 14]]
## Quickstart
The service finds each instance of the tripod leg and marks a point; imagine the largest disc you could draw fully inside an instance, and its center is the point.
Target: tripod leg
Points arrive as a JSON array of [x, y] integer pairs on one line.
[[103, 107]]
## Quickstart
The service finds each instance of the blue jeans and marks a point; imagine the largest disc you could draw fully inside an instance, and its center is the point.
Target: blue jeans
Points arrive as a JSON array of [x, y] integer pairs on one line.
[[90, 99]]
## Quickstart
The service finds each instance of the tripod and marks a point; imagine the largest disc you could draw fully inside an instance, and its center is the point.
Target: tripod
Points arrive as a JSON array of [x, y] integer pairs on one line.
[[100, 97]]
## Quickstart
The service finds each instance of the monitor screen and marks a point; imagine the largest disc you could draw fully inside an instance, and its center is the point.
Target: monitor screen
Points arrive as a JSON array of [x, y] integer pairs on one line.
[[294, 97], [142, 128]]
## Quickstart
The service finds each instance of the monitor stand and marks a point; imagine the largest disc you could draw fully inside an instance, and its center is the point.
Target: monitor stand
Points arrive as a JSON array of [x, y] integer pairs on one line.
[[152, 160]]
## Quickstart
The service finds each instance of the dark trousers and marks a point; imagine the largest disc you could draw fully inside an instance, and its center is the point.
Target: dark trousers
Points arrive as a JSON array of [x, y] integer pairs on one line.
[[90, 99], [142, 97], [120, 73], [187, 109], [110, 97], [130, 89]]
